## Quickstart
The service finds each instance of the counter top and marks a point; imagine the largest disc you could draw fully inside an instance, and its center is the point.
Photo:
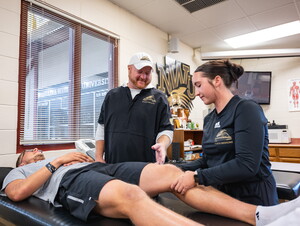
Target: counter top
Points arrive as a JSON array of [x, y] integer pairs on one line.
[[286, 166], [295, 143]]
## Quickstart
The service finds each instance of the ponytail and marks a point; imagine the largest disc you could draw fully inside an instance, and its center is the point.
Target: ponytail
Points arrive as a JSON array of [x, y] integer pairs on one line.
[[228, 71]]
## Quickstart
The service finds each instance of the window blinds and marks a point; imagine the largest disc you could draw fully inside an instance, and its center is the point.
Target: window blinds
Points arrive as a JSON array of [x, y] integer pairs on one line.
[[65, 71]]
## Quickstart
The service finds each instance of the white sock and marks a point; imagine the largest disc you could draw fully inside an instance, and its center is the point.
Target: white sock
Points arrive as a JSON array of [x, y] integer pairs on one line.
[[266, 214], [291, 219]]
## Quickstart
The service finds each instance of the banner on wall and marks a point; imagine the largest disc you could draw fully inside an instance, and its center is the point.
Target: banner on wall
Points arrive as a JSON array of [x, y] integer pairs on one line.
[[294, 94], [175, 80]]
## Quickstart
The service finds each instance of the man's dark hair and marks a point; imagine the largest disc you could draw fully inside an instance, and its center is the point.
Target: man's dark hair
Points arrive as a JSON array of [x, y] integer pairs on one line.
[[20, 158]]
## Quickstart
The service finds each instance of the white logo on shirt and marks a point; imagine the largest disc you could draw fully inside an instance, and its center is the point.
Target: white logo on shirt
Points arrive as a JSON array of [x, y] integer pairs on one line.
[[217, 125]]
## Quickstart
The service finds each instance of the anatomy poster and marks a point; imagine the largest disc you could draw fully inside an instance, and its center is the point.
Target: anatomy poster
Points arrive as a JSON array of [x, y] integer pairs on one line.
[[294, 94]]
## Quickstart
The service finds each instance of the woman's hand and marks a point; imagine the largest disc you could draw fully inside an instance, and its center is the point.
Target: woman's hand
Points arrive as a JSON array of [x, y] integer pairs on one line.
[[184, 183]]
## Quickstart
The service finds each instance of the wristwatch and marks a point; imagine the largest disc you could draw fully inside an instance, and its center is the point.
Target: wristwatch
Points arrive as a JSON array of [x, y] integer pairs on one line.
[[50, 167], [196, 178]]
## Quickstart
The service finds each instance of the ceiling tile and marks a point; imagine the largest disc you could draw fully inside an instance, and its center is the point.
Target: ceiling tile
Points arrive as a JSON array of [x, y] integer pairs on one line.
[[207, 28], [275, 17], [251, 7], [179, 27], [160, 11], [198, 39], [298, 5], [234, 28], [131, 4]]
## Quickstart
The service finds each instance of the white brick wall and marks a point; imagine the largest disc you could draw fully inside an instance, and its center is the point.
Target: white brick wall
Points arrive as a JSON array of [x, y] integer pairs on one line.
[[135, 35], [282, 69], [9, 55]]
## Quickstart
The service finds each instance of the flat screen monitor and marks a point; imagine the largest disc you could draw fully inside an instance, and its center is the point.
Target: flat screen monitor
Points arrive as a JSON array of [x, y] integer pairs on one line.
[[255, 85]]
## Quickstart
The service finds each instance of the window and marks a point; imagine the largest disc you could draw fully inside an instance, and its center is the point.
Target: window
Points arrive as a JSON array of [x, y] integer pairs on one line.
[[65, 71]]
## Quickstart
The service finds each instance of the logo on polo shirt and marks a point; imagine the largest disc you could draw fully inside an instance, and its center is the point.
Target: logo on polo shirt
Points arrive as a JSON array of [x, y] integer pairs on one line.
[[149, 100], [223, 137], [217, 125]]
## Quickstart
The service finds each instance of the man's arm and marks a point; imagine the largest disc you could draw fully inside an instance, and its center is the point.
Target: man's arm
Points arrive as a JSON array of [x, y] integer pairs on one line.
[[165, 137], [21, 189], [99, 143], [99, 151]]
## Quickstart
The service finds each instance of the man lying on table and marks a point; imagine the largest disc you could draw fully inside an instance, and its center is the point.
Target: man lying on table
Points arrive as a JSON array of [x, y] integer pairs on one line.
[[119, 190]]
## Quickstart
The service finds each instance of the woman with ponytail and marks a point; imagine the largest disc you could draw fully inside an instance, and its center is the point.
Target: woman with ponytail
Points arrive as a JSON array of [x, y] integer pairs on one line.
[[235, 140]]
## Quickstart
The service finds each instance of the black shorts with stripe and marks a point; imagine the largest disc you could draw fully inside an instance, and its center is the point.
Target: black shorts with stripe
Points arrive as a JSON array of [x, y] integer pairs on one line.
[[80, 188]]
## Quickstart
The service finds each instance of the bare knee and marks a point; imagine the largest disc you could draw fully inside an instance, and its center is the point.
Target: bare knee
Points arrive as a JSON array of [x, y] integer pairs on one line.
[[132, 193], [166, 169], [130, 196], [158, 178], [117, 198], [172, 171]]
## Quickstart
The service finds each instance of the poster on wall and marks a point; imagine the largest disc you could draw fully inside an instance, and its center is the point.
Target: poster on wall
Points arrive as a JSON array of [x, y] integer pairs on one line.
[[294, 93]]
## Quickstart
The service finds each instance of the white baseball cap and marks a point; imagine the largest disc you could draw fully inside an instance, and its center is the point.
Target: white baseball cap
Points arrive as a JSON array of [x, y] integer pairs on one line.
[[140, 60]]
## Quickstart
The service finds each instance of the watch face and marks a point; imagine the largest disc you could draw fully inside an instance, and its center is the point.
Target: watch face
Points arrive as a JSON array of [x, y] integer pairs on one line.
[[50, 167]]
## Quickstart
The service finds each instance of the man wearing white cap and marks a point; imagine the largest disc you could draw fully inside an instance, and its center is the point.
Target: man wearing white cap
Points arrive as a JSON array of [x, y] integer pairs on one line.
[[134, 123]]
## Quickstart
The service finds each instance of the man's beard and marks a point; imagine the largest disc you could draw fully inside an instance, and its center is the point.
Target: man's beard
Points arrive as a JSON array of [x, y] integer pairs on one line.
[[39, 157], [138, 85]]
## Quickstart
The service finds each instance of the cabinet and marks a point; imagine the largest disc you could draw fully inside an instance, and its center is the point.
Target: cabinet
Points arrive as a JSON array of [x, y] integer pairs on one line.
[[285, 152], [181, 135], [278, 152]]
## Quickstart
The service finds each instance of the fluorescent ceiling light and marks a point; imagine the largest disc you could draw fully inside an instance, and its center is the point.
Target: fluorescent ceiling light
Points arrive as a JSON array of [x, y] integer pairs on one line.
[[242, 54], [276, 32]]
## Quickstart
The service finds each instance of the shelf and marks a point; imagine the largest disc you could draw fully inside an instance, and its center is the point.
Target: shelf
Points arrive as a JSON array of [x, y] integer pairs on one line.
[[181, 135], [192, 149]]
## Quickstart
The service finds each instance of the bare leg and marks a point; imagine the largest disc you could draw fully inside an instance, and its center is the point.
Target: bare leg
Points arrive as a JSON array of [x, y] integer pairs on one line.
[[118, 199], [158, 178]]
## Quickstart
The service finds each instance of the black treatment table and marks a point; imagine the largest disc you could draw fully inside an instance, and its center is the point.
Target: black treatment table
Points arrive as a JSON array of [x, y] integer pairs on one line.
[[287, 177], [34, 211]]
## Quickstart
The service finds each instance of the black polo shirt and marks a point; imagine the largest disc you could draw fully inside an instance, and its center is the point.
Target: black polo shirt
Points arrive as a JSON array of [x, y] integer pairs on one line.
[[235, 153], [131, 125], [235, 143]]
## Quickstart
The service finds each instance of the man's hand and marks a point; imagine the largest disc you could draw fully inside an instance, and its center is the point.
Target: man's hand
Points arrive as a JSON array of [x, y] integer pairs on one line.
[[184, 182], [160, 152], [71, 158]]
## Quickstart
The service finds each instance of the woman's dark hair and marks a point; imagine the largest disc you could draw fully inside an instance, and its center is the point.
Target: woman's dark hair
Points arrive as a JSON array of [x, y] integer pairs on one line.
[[228, 71]]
